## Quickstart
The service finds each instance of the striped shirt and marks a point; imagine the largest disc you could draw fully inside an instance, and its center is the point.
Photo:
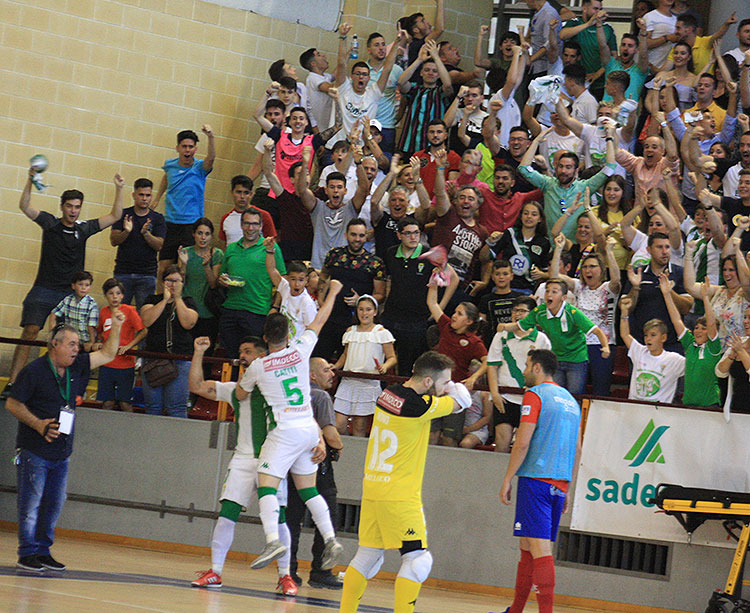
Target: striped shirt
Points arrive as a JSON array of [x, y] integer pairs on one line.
[[423, 104]]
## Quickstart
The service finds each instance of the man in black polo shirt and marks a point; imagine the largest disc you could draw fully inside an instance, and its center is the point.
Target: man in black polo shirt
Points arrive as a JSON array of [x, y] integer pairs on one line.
[[63, 255], [360, 272], [138, 236], [406, 314], [643, 289], [43, 401]]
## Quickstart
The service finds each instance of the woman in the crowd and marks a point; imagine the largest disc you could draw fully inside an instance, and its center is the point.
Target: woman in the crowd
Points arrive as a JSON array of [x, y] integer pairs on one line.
[[170, 318]]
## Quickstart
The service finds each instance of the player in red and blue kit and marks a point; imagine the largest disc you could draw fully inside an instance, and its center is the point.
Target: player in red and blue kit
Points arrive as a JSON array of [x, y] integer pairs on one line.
[[545, 458]]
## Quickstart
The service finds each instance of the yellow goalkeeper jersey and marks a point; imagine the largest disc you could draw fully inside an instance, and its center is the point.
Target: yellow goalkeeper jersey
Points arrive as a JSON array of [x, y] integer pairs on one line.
[[397, 450]]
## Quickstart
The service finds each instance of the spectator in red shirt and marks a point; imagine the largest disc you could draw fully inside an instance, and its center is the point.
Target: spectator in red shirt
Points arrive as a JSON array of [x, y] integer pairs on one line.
[[437, 135], [501, 207]]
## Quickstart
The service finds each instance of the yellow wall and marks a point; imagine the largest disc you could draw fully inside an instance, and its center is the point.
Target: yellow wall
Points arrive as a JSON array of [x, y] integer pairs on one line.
[[103, 86]]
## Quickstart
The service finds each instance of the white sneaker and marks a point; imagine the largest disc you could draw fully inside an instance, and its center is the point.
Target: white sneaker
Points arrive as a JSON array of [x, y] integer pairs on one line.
[[332, 551], [272, 551]]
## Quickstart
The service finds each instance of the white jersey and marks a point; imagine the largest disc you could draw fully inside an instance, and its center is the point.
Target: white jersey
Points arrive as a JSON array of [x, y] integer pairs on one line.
[[299, 310], [252, 421], [284, 379]]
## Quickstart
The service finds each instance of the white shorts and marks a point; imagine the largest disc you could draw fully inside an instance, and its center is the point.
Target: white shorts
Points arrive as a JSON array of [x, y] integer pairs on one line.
[[355, 409], [241, 482], [482, 434], [289, 450]]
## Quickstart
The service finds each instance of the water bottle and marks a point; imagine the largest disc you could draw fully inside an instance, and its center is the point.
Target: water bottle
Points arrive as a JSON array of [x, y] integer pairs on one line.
[[354, 54]]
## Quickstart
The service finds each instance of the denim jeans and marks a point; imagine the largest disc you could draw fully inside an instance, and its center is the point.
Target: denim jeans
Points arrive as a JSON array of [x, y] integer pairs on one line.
[[140, 286], [572, 376], [41, 496], [600, 369], [172, 397]]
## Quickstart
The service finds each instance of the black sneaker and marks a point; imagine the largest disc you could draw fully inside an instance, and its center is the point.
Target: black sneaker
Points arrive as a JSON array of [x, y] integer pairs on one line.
[[4, 395], [297, 579], [325, 580], [50, 563], [31, 563]]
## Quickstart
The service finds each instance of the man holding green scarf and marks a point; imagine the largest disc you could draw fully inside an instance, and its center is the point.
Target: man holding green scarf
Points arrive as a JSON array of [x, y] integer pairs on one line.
[[506, 360]]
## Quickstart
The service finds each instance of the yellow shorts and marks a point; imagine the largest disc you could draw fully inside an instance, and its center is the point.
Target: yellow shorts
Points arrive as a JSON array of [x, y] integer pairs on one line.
[[386, 524]]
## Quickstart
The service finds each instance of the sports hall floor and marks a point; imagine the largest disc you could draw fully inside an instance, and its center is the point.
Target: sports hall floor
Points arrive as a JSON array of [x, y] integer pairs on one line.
[[106, 577]]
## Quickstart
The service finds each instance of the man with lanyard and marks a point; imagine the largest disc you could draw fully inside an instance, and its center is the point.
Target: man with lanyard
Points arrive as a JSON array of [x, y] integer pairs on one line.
[[560, 191], [43, 401], [545, 458], [251, 417], [405, 313], [292, 446]]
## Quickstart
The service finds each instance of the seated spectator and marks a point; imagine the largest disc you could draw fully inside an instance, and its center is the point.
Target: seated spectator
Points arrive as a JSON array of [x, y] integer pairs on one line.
[[63, 254], [115, 385], [249, 289], [567, 328], [655, 372], [426, 101], [477, 417], [293, 301], [505, 361], [230, 228], [138, 236], [169, 317], [200, 265], [79, 310], [368, 348], [702, 349], [735, 363], [330, 218], [525, 246]]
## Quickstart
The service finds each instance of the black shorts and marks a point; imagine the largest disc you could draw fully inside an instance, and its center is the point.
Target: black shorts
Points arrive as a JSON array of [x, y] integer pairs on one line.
[[178, 235], [512, 414]]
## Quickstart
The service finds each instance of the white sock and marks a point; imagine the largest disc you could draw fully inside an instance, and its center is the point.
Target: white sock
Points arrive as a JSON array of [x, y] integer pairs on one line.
[[321, 516], [286, 538], [221, 542], [269, 515]]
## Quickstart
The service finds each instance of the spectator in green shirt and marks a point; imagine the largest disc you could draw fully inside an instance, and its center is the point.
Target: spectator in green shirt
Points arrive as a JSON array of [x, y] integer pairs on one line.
[[583, 31], [702, 348], [567, 329], [249, 288]]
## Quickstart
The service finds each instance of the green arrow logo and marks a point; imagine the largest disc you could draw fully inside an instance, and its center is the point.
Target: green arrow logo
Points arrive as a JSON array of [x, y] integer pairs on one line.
[[647, 447]]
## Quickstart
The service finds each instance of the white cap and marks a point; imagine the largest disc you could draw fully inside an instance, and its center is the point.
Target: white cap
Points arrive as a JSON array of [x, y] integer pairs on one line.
[[374, 123]]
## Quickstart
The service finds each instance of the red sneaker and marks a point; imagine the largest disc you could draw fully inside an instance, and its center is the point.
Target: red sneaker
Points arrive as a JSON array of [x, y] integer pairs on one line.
[[208, 578], [287, 586]]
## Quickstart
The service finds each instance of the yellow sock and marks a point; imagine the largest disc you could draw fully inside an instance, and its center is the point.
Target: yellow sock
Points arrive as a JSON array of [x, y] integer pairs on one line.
[[406, 595], [354, 588]]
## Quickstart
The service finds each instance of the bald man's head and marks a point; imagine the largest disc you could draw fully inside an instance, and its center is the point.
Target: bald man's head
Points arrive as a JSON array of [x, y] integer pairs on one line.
[[321, 373]]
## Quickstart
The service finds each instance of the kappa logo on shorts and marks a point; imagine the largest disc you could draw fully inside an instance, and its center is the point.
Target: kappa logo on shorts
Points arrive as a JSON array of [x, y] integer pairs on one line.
[[410, 532], [517, 525], [264, 465]]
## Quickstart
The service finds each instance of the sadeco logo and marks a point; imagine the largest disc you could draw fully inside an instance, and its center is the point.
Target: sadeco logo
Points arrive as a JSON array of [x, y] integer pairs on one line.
[[645, 449]]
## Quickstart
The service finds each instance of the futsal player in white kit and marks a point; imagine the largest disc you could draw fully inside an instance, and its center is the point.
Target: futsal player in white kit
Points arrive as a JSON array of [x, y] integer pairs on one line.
[[283, 377], [241, 482]]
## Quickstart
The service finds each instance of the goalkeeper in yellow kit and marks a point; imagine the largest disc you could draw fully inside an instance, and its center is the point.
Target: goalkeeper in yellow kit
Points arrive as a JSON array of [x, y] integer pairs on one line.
[[392, 515]]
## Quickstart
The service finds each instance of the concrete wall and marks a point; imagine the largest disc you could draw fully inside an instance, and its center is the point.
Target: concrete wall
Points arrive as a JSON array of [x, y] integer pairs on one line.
[[154, 459], [103, 86]]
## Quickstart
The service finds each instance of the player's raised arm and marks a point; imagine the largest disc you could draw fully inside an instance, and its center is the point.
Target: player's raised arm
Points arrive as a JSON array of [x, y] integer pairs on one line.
[[334, 287], [196, 383]]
